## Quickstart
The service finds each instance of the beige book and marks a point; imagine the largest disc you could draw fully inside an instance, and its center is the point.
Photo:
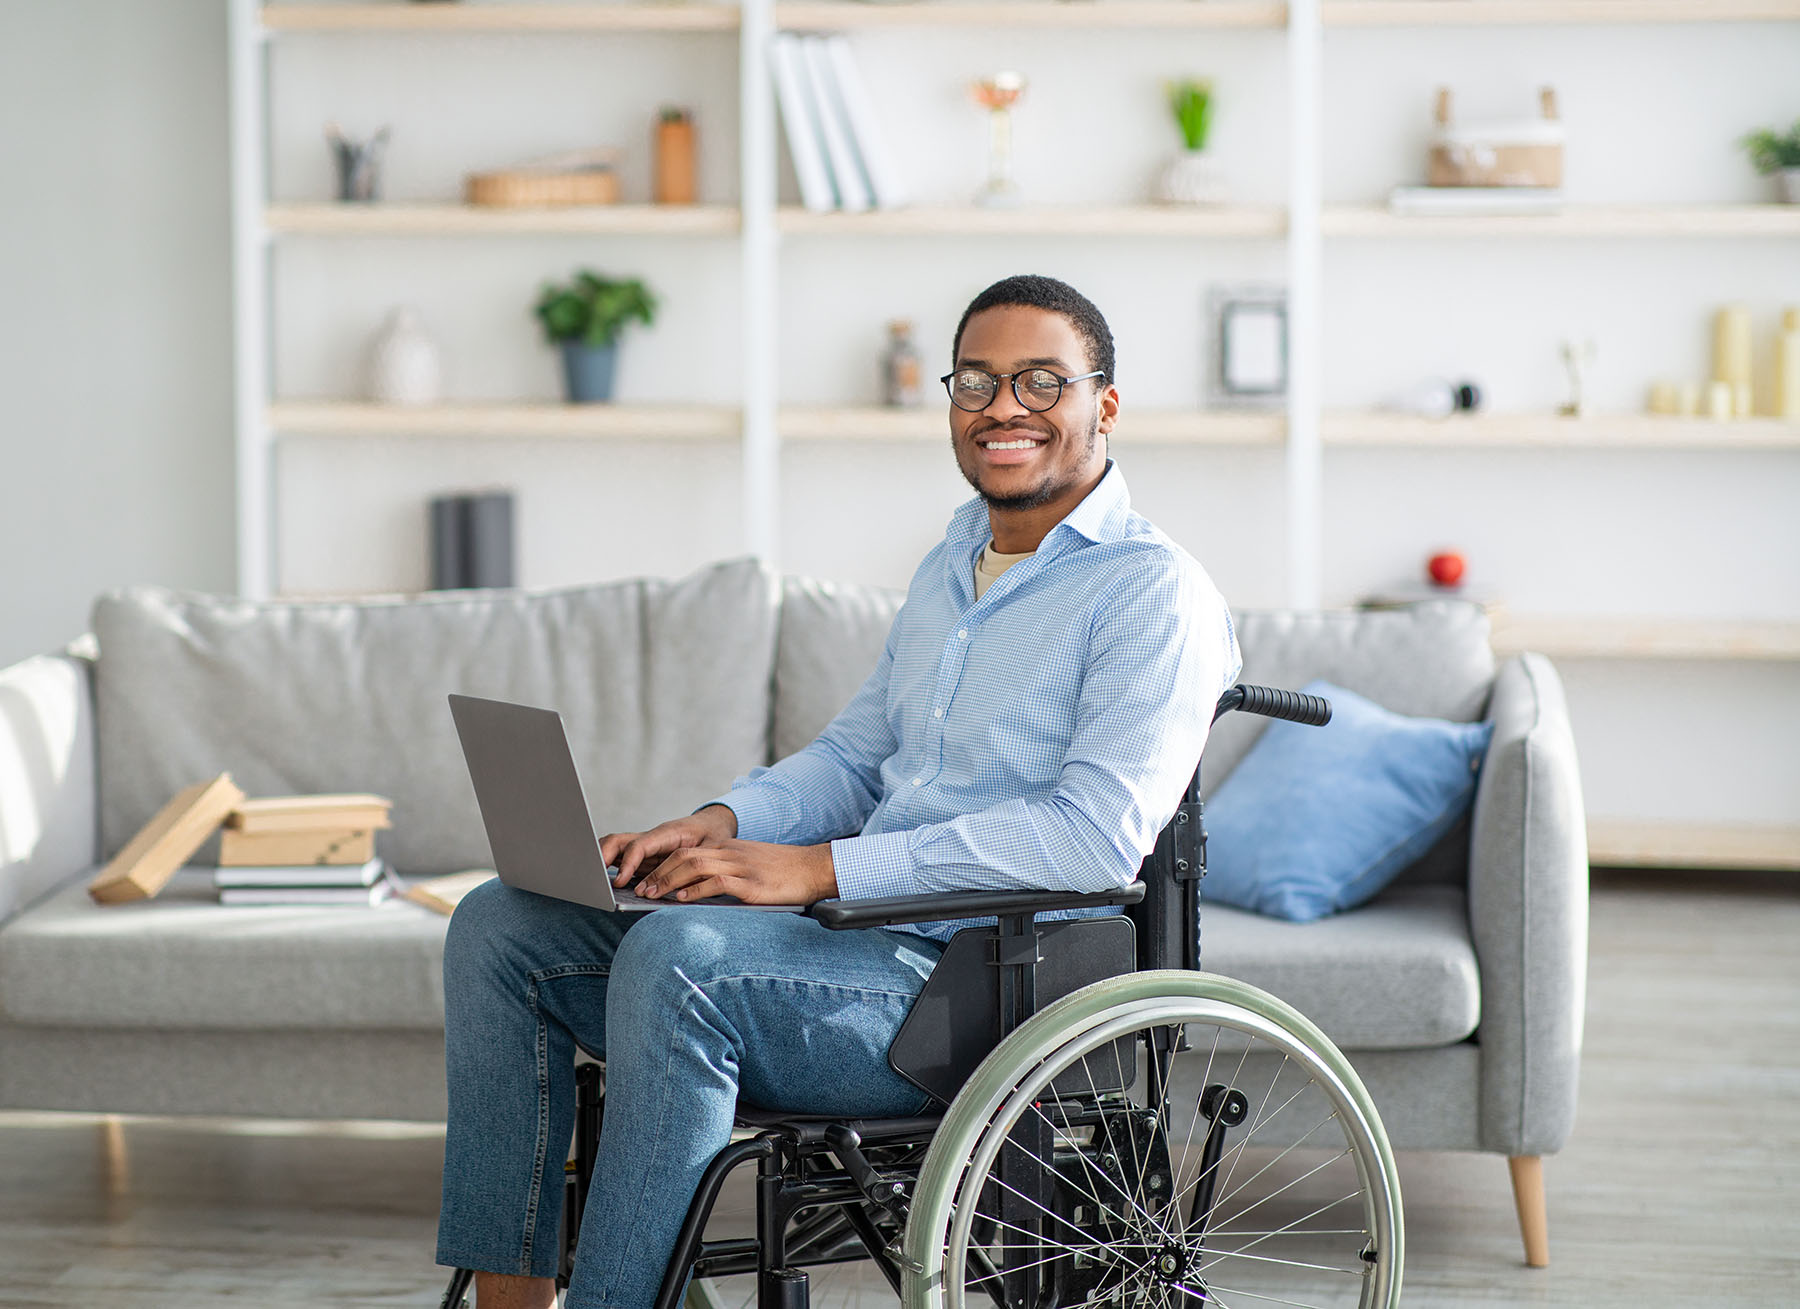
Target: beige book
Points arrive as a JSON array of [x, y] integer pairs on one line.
[[441, 894], [310, 813], [166, 842], [271, 849]]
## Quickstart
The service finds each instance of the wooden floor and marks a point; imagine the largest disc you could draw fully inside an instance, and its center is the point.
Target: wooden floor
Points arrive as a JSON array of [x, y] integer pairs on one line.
[[1681, 1184]]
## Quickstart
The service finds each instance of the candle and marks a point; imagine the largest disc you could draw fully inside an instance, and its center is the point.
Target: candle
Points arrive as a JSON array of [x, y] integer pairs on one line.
[[1719, 400], [1663, 398], [1688, 399], [1787, 366], [1731, 345]]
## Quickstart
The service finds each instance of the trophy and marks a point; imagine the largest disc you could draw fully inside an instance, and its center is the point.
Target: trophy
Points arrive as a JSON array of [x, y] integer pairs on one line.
[[997, 94]]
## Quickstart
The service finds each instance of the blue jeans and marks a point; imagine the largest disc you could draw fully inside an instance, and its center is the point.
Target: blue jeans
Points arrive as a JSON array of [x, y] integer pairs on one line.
[[689, 1008]]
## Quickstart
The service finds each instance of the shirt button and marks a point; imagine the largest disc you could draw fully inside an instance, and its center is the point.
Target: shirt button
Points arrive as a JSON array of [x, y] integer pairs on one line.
[[918, 781], [937, 713], [963, 635]]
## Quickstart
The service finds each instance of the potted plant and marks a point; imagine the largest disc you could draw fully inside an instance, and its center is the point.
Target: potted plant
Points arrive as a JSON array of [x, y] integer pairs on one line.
[[585, 318], [1190, 178], [1778, 152]]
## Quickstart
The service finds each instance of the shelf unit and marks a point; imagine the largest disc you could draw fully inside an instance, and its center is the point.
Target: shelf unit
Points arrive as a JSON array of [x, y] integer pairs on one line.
[[761, 424]]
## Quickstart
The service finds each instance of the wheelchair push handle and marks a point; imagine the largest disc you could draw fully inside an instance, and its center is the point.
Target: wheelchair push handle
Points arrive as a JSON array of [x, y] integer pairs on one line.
[[1271, 702]]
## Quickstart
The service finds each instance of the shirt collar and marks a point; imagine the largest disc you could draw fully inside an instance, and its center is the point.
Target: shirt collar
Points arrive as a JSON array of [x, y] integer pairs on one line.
[[1100, 517]]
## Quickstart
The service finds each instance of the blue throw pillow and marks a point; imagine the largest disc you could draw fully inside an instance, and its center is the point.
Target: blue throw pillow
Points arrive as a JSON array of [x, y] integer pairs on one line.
[[1318, 819]]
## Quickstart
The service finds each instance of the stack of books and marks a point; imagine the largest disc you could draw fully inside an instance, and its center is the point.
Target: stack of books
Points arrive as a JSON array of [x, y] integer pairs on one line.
[[841, 158], [305, 850]]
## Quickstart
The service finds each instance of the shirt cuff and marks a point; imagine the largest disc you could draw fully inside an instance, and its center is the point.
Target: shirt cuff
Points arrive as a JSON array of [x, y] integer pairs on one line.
[[872, 866], [754, 817]]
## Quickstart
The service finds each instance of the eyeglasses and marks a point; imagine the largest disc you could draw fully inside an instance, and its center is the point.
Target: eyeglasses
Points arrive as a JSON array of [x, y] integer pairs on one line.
[[1038, 389]]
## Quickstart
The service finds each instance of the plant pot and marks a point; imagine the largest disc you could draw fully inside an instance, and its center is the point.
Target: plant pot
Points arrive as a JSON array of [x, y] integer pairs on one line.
[[1790, 185], [588, 371], [1190, 178]]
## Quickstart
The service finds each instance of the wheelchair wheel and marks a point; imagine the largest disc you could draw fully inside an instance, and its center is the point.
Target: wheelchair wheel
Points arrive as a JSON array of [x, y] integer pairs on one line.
[[1164, 1138]]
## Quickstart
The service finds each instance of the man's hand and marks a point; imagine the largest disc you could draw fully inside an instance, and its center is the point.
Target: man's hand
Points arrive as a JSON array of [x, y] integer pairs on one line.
[[753, 871], [633, 853]]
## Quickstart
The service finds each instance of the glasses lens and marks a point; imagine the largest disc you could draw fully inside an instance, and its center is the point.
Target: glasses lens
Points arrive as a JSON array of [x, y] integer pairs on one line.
[[1039, 388], [972, 390]]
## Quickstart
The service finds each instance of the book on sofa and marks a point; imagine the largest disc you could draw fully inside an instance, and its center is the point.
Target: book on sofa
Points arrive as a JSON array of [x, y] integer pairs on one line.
[[307, 876], [147, 862]]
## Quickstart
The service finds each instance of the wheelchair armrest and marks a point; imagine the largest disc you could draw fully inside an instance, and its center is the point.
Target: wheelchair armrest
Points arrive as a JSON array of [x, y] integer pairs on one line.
[[886, 911]]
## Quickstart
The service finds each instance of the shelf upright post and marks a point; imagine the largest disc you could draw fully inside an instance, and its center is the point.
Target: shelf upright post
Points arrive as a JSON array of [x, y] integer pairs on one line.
[[761, 441], [1305, 469], [256, 574]]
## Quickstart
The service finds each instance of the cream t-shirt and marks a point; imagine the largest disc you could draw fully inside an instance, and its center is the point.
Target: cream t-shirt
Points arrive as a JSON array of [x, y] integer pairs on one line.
[[991, 564]]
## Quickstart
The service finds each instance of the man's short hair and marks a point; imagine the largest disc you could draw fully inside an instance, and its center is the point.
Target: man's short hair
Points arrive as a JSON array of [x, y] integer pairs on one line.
[[1037, 292]]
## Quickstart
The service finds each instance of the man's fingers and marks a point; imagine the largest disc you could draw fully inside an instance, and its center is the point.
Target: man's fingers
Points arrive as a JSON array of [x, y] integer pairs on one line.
[[682, 868]]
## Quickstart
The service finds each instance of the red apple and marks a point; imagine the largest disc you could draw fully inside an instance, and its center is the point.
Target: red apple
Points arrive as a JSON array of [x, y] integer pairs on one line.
[[1445, 568]]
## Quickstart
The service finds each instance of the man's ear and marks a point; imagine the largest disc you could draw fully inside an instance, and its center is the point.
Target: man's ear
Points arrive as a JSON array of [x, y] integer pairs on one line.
[[1109, 409]]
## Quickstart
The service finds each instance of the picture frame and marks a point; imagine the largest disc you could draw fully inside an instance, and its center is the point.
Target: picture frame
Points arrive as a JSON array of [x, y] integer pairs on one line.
[[1248, 367]]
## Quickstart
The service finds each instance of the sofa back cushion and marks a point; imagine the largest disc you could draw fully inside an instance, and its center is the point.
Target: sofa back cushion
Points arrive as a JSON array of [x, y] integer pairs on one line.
[[830, 640], [663, 686]]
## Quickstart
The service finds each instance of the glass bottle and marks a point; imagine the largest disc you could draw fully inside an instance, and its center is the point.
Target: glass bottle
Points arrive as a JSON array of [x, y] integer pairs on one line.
[[900, 368]]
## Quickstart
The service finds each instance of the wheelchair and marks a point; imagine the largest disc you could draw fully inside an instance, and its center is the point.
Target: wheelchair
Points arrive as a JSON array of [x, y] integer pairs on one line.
[[1117, 1127]]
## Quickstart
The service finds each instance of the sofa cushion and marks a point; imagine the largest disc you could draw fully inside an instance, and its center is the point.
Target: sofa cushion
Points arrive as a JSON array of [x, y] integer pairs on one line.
[[830, 640], [184, 961], [1397, 974], [664, 687], [1315, 820]]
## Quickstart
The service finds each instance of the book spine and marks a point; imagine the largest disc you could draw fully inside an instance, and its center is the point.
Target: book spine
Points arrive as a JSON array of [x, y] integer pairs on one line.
[[888, 191], [802, 135], [449, 529], [846, 169], [490, 539]]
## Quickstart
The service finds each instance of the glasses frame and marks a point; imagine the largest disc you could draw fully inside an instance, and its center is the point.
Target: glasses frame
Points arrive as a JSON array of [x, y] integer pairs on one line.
[[1013, 378]]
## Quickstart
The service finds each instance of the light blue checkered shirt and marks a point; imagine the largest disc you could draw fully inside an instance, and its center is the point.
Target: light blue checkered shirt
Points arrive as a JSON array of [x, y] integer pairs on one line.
[[1037, 738]]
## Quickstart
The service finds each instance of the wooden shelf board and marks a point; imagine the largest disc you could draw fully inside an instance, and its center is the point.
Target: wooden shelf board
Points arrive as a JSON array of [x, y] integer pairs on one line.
[[834, 15], [1122, 220], [453, 219], [1432, 13], [1646, 638], [1630, 843], [1600, 431], [526, 420], [629, 17], [1770, 220], [1138, 427]]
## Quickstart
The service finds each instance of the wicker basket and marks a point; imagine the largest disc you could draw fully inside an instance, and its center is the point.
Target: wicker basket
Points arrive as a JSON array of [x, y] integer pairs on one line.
[[577, 177], [1522, 154]]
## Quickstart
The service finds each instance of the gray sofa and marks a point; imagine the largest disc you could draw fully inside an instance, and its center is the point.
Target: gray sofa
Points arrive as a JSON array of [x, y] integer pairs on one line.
[[1458, 992]]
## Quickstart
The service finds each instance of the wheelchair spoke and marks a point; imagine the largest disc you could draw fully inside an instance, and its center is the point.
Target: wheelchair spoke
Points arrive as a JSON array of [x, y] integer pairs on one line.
[[1262, 1200], [1213, 1291], [1243, 1141]]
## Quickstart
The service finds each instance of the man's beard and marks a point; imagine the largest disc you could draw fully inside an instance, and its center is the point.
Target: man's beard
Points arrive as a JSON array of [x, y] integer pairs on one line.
[[1041, 494]]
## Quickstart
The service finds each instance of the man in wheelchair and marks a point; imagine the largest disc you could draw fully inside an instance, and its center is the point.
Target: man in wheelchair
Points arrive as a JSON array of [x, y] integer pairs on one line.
[[1038, 707]]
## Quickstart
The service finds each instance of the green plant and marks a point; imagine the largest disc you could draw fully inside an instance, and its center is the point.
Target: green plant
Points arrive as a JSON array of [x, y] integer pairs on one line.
[[1770, 151], [594, 309], [1192, 103]]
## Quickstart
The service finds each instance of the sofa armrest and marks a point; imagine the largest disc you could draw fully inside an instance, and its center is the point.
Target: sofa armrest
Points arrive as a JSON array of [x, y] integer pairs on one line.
[[1528, 913], [49, 830]]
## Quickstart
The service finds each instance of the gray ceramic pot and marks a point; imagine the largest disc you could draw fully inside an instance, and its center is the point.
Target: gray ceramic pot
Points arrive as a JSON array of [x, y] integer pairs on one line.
[[588, 371]]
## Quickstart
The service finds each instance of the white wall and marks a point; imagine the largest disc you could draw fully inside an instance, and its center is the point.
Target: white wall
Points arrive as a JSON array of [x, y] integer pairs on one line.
[[115, 301], [131, 480]]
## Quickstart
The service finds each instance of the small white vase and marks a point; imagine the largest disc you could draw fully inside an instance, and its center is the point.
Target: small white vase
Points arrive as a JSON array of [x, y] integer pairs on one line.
[[404, 366], [1190, 178], [1790, 185]]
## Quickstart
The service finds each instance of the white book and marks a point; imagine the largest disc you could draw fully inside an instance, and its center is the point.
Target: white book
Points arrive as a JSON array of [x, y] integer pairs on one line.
[[238, 876], [834, 129], [802, 133], [865, 129], [309, 896]]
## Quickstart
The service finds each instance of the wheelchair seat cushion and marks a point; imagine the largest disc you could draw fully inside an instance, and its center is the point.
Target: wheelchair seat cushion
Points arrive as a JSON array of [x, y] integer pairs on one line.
[[1316, 820]]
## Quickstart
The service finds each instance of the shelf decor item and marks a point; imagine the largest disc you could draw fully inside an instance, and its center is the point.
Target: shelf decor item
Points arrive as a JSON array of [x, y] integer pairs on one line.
[[1191, 177], [404, 365], [1577, 357], [1731, 359], [998, 94], [358, 164], [675, 172], [572, 177], [1778, 153], [1787, 366], [901, 370], [1250, 346], [585, 318], [1528, 153]]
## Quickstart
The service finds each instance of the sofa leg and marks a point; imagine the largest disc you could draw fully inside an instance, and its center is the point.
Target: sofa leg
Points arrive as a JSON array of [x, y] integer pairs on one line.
[[1528, 1194]]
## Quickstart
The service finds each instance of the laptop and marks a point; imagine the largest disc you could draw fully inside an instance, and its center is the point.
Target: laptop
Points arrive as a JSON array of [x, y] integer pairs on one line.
[[536, 813]]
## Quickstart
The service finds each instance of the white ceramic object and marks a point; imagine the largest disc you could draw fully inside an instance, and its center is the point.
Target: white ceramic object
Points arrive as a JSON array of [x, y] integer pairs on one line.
[[1191, 177], [1790, 185], [404, 364]]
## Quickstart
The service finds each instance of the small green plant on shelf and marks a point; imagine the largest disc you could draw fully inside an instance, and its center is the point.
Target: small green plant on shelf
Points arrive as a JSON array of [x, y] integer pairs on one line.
[[585, 318], [1779, 153], [592, 309], [1192, 104]]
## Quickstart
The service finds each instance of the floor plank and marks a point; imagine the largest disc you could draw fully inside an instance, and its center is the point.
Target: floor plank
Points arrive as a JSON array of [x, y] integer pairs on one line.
[[1678, 1185]]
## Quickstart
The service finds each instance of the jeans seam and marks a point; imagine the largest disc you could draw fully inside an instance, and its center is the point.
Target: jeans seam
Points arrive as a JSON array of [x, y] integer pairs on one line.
[[540, 1159]]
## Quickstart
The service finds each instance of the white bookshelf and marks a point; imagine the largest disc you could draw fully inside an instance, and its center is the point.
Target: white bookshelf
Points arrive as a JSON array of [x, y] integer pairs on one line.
[[760, 422]]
